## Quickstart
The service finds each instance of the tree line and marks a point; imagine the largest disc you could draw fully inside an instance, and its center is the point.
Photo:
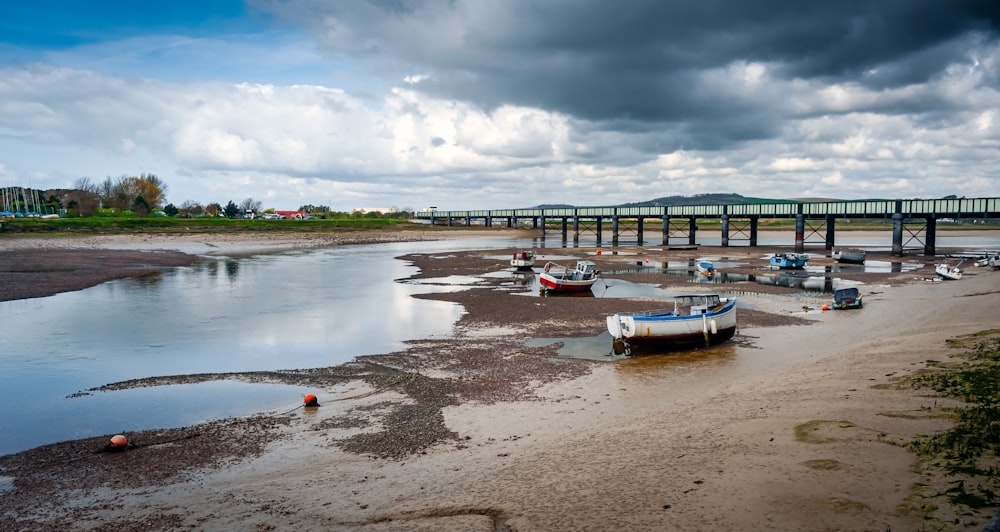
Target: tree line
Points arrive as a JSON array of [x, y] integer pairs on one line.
[[145, 195]]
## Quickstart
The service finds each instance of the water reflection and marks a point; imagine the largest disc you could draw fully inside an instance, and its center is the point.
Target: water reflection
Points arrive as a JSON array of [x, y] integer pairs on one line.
[[676, 365]]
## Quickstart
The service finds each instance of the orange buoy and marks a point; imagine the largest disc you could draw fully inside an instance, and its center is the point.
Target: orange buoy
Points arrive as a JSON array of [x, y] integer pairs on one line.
[[311, 400], [826, 307], [118, 442], [598, 252]]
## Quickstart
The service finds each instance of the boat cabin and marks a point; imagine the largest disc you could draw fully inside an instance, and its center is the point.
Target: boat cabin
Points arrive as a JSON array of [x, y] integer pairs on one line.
[[695, 304]]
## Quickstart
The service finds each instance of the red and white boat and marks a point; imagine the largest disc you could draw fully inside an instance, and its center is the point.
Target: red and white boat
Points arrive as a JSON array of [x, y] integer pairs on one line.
[[563, 279], [523, 260]]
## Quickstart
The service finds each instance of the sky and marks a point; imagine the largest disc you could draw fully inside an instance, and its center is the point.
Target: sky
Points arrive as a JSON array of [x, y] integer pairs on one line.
[[484, 104]]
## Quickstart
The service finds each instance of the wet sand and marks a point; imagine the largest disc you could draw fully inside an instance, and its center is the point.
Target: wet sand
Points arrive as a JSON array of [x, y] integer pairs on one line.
[[483, 433]]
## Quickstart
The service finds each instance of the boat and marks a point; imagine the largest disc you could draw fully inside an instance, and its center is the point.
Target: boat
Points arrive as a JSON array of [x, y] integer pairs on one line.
[[789, 260], [849, 257], [846, 298], [706, 268], [947, 272], [558, 278], [523, 260], [697, 319], [994, 262]]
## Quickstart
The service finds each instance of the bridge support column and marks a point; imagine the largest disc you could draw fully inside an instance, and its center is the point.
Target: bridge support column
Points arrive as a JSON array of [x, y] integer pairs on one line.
[[831, 225], [565, 223], [541, 223], [725, 230], [800, 233], [692, 227], [930, 236], [600, 225], [576, 228], [614, 230], [449, 221], [638, 230], [897, 235], [665, 220], [753, 231]]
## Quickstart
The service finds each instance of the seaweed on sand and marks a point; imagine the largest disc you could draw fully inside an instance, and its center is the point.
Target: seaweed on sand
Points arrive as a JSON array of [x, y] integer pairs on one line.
[[966, 458]]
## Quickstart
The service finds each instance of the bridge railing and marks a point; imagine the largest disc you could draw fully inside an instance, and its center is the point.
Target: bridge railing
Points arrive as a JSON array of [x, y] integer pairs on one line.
[[964, 207]]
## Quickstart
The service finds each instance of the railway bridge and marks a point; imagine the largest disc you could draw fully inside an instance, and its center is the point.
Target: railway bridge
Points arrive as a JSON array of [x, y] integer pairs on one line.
[[815, 222]]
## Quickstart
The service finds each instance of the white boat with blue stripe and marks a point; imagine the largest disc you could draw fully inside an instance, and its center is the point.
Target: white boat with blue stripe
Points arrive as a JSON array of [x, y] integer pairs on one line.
[[697, 319]]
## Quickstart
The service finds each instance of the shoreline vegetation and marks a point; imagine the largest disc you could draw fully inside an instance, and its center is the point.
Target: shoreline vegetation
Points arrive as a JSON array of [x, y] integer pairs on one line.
[[871, 431]]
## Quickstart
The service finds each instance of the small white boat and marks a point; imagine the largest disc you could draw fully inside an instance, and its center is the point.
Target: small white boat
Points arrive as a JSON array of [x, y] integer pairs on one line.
[[523, 260], [849, 257], [558, 278], [697, 319], [947, 272]]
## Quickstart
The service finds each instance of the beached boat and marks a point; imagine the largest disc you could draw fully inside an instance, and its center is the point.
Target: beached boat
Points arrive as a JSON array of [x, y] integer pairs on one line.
[[947, 272], [523, 260], [789, 260], [846, 298], [849, 256], [697, 319], [706, 268], [994, 261], [563, 279]]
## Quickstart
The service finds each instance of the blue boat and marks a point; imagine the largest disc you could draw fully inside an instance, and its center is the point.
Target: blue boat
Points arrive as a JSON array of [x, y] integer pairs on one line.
[[846, 298], [706, 268], [789, 260]]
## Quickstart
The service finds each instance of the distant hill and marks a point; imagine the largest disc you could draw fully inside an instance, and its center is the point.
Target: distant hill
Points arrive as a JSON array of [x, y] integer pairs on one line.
[[710, 199], [698, 199]]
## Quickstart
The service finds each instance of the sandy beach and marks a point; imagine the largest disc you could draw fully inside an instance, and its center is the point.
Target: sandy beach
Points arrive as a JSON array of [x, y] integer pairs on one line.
[[796, 424]]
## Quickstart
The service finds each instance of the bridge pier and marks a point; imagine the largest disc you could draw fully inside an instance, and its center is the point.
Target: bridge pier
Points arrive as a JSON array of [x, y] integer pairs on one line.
[[565, 223], [638, 229], [753, 231], [831, 224], [725, 230], [800, 233], [692, 228], [614, 230], [931, 236], [576, 229], [600, 225], [897, 235]]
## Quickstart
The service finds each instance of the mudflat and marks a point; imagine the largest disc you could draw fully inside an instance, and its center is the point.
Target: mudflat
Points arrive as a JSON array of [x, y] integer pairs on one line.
[[793, 425]]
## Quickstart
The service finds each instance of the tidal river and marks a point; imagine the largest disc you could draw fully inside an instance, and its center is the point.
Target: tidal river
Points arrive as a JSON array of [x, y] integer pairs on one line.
[[302, 309]]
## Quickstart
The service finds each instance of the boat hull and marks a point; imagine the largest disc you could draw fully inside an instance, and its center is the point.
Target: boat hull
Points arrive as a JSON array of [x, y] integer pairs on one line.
[[789, 261], [669, 329], [948, 274], [555, 283], [849, 257]]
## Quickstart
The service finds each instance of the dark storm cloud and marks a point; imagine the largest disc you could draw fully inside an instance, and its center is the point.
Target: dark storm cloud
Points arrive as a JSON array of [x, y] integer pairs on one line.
[[636, 61]]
